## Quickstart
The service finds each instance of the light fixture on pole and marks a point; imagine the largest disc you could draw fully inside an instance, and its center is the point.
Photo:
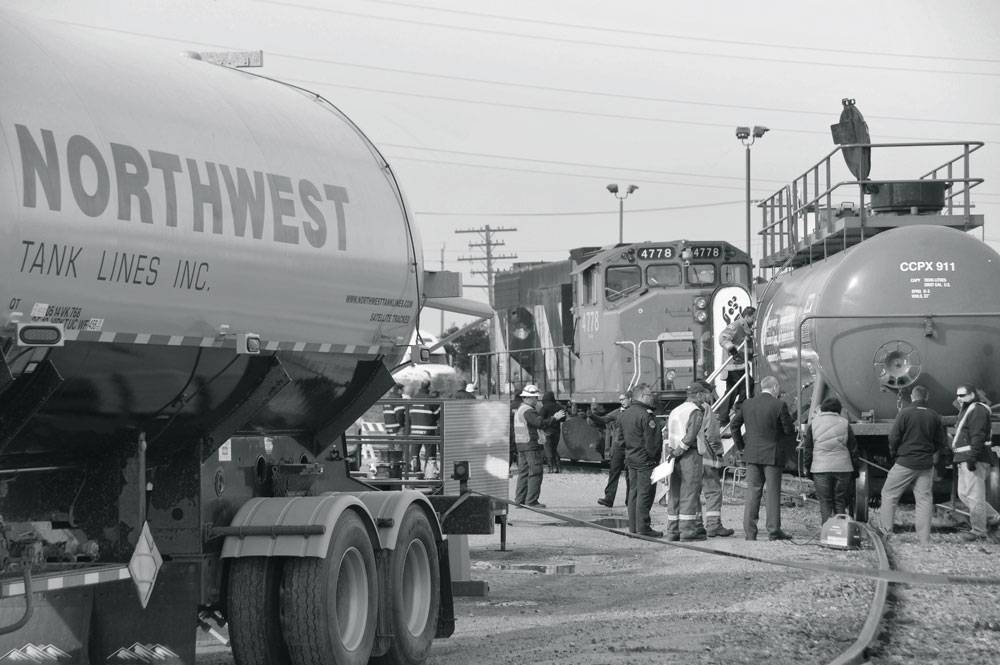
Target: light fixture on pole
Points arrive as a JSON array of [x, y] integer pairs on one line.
[[747, 137], [613, 188]]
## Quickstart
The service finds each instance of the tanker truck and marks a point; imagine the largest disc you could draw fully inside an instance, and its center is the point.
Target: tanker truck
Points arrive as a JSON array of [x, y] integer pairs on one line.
[[209, 275], [869, 299]]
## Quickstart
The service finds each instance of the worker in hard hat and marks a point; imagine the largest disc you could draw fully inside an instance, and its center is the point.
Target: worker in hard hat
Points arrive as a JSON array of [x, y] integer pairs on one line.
[[530, 456], [732, 340]]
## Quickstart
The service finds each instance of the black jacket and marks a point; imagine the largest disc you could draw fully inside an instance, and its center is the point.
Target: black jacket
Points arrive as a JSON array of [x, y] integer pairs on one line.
[[769, 430], [972, 441], [916, 434], [642, 436]]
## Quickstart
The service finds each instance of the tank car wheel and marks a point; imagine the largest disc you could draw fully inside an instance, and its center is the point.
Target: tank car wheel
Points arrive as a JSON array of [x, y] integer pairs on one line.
[[862, 494], [329, 606], [253, 611], [414, 591], [993, 487]]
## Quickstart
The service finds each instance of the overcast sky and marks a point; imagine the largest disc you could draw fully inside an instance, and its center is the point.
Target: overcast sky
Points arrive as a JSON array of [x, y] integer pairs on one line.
[[532, 108]]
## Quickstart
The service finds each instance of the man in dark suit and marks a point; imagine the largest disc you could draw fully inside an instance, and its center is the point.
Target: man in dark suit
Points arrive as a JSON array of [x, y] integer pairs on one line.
[[768, 430]]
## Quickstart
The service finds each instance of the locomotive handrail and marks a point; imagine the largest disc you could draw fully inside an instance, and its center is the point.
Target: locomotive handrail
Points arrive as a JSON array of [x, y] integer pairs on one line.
[[635, 362], [815, 317]]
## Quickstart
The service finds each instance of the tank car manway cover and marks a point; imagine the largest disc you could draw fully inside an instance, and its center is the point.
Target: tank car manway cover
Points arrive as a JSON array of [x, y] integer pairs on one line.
[[852, 128]]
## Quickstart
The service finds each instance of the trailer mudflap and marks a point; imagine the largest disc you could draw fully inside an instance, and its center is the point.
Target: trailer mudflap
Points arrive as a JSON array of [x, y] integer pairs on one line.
[[122, 632], [474, 515], [446, 610]]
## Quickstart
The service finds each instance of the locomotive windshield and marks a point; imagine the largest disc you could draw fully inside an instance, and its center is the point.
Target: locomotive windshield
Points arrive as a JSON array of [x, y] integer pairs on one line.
[[661, 276], [621, 280], [701, 274], [736, 273]]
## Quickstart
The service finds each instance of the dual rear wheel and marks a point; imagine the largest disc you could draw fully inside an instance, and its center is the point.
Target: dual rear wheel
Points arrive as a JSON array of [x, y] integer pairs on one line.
[[310, 611]]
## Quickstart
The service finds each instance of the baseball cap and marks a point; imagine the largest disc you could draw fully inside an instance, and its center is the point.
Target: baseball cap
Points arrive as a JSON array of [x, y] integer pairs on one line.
[[530, 390], [695, 389]]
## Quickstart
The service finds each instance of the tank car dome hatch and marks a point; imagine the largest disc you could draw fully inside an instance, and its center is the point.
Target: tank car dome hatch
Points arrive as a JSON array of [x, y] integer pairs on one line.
[[897, 364], [909, 197]]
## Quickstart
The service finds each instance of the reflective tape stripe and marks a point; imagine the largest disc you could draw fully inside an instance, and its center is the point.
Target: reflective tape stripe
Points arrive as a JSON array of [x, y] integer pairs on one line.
[[227, 342], [672, 518], [713, 513], [688, 517], [66, 581], [962, 449]]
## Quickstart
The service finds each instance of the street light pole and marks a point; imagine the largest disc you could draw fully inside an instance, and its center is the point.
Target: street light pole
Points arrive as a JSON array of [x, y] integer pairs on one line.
[[747, 137], [613, 188]]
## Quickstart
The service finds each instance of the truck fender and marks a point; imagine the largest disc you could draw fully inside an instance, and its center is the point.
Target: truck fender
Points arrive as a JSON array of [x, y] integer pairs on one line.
[[388, 509], [288, 514]]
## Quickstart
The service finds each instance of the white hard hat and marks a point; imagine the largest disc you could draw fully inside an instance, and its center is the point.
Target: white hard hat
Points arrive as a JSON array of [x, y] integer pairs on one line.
[[530, 390]]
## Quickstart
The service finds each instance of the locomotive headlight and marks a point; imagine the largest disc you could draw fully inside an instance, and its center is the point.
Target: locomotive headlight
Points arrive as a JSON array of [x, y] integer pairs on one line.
[[701, 302], [701, 316]]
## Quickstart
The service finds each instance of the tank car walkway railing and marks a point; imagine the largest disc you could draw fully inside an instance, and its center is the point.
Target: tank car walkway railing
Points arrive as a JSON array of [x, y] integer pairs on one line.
[[801, 224]]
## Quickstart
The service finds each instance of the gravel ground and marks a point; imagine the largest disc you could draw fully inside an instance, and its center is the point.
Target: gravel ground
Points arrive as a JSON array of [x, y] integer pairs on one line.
[[941, 624], [630, 601]]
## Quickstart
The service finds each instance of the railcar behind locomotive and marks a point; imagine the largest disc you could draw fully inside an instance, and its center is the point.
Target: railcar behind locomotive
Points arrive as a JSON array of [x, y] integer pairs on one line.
[[606, 319]]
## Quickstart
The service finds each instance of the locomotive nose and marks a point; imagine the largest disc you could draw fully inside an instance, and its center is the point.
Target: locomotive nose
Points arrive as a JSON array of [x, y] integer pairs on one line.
[[897, 364]]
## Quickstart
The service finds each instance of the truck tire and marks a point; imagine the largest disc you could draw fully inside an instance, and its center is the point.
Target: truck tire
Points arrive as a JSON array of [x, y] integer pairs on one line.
[[414, 590], [253, 611], [329, 606]]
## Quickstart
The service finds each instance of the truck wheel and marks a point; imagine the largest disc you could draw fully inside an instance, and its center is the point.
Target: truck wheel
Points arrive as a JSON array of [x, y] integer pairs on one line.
[[254, 627], [329, 606], [414, 591]]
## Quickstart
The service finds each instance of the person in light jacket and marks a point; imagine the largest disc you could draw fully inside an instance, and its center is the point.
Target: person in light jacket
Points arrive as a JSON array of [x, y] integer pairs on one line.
[[831, 454]]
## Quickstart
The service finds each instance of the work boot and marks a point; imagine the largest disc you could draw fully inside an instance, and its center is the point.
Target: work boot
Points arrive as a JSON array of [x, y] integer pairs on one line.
[[536, 504], [604, 502], [719, 532], [691, 530], [673, 537], [972, 536], [652, 533]]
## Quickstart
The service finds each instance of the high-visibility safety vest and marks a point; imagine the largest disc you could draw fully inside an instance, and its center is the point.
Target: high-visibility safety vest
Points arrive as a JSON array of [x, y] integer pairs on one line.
[[424, 419], [393, 416], [677, 423], [521, 432]]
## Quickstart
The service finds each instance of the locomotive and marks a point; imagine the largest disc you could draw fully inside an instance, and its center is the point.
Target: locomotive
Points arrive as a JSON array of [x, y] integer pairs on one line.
[[607, 318], [869, 299]]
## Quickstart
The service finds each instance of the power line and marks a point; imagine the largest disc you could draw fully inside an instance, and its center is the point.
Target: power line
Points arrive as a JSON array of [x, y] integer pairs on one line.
[[594, 114], [643, 33], [582, 213], [583, 164], [612, 95], [631, 47], [559, 173], [294, 56]]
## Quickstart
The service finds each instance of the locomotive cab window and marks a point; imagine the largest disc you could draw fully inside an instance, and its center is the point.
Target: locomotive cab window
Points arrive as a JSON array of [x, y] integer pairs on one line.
[[663, 275], [735, 273], [589, 282], [619, 281], [701, 274]]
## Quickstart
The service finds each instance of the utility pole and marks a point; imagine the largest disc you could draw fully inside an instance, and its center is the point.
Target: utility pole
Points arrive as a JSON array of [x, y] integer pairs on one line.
[[488, 243]]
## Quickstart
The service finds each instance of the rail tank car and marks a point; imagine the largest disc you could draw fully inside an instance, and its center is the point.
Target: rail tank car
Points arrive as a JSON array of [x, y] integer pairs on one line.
[[909, 306]]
